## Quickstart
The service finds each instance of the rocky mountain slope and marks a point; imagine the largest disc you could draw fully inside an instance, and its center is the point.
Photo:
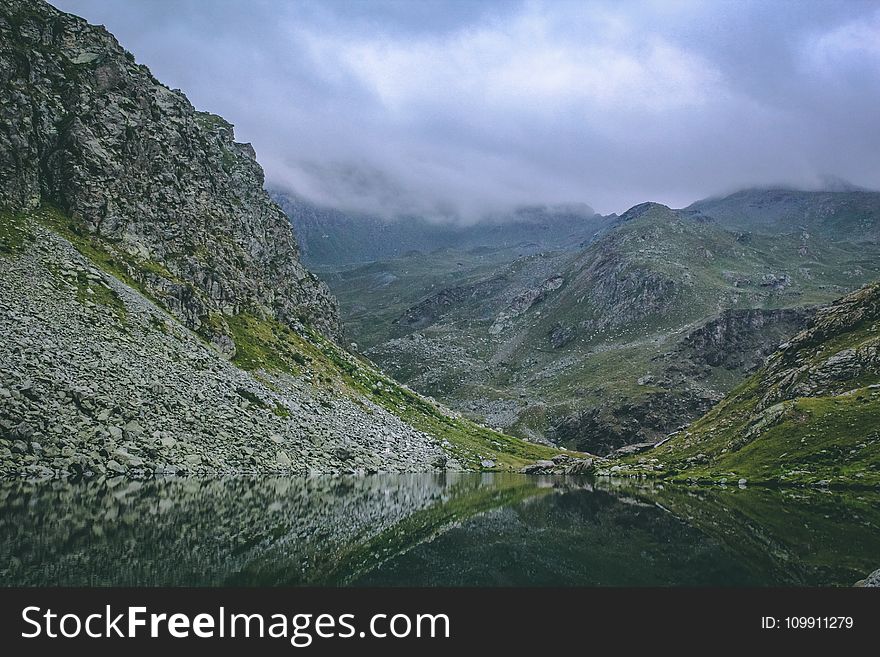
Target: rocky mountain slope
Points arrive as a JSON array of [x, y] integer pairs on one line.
[[156, 317], [177, 201], [332, 238], [617, 343], [810, 415]]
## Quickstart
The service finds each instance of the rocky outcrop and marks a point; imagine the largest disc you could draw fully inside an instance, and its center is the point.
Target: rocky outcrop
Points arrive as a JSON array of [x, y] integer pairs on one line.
[[743, 338], [166, 188], [808, 417], [605, 429], [737, 340], [617, 292], [816, 362], [872, 580], [523, 301], [560, 335], [561, 464], [437, 305]]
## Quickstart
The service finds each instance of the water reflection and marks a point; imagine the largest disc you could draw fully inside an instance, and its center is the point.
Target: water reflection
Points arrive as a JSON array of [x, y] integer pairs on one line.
[[435, 530]]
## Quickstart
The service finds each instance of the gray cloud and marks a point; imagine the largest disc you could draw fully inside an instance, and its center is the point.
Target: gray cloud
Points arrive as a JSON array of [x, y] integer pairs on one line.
[[461, 108]]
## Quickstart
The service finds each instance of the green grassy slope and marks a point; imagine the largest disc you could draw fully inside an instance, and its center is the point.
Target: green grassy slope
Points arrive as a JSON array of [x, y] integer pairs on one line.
[[811, 415]]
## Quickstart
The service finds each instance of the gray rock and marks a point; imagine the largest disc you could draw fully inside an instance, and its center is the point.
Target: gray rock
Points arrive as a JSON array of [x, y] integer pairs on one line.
[[148, 189], [872, 580], [134, 429], [116, 467]]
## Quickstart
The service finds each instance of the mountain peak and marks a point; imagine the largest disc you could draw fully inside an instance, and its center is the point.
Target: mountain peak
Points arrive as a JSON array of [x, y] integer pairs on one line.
[[642, 209]]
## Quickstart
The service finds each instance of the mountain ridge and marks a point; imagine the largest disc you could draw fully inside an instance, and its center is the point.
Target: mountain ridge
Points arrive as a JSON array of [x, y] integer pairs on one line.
[[853, 213], [132, 163]]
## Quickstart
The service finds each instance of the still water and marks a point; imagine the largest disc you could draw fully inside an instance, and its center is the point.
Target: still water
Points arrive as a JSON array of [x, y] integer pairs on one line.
[[431, 530]]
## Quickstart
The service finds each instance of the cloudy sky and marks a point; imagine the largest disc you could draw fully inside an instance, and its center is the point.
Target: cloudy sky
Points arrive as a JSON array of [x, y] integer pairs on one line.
[[457, 108]]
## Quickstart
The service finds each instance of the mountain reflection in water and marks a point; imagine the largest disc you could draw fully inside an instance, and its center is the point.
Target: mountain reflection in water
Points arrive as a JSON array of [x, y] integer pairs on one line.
[[430, 530]]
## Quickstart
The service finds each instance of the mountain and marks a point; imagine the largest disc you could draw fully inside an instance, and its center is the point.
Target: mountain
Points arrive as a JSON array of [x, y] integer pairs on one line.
[[810, 415], [132, 162], [849, 214], [615, 343], [155, 313], [333, 238]]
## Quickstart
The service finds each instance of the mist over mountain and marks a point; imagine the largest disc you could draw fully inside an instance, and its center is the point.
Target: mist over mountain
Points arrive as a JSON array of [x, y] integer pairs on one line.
[[330, 237]]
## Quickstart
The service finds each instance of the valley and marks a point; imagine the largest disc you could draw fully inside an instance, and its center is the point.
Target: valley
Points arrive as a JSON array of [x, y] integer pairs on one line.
[[616, 341]]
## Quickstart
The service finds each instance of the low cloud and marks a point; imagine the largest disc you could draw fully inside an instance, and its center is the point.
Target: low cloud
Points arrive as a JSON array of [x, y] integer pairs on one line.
[[460, 109]]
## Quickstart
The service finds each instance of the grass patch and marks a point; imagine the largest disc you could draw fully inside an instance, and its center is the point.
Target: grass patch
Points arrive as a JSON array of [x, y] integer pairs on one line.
[[832, 439], [15, 234], [98, 292], [265, 344]]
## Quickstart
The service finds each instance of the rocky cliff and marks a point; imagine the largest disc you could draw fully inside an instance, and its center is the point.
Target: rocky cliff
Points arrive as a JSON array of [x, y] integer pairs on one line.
[[167, 189], [810, 415]]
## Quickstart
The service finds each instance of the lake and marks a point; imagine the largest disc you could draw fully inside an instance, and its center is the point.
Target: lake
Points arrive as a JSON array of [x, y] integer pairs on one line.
[[431, 530]]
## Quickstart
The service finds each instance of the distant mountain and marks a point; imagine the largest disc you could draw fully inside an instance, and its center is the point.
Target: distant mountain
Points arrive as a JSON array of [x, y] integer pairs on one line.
[[330, 238], [810, 415], [618, 342], [845, 214]]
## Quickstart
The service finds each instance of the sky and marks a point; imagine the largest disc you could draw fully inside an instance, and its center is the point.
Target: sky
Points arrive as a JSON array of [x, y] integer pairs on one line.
[[457, 109]]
